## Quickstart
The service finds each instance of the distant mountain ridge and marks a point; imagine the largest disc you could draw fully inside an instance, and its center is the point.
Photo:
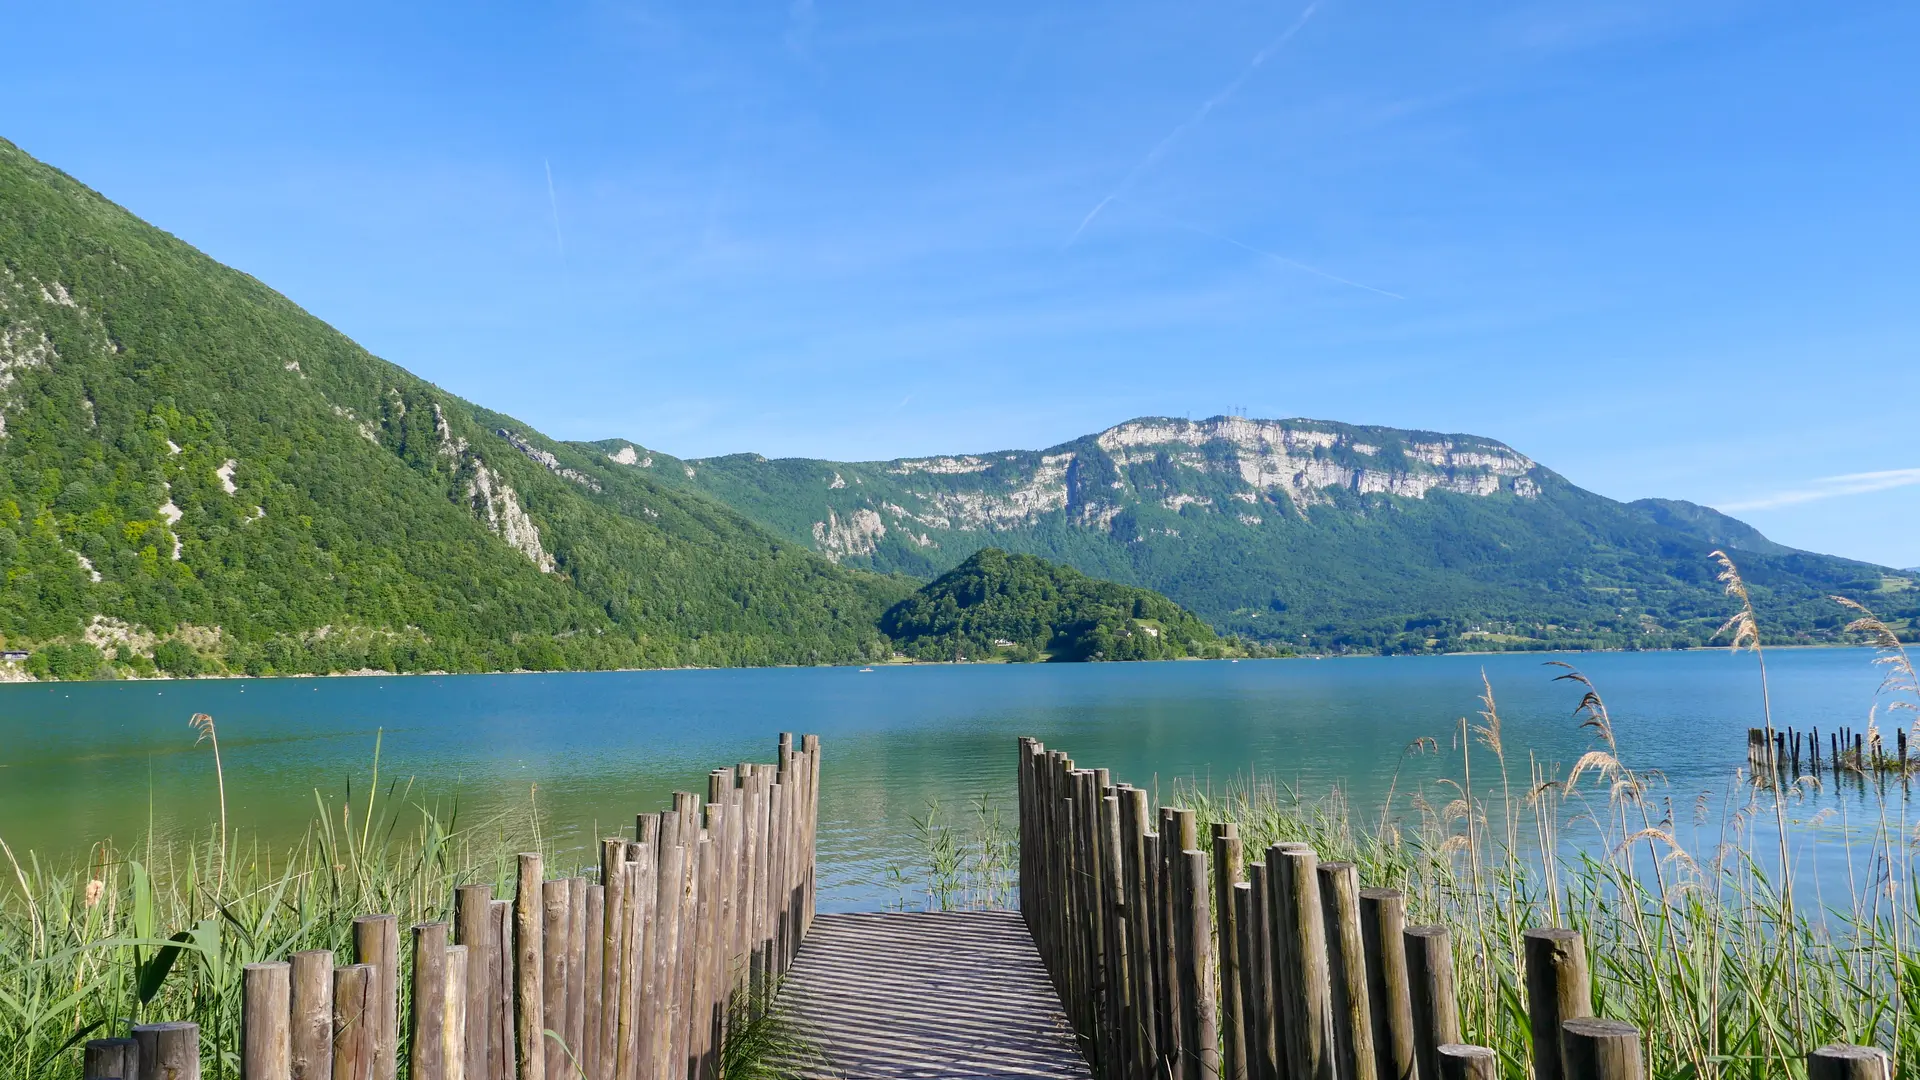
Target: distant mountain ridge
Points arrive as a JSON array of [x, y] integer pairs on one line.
[[1318, 534]]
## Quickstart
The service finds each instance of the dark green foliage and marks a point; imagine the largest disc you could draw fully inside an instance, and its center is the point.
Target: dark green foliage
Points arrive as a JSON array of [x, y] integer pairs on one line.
[[176, 658], [1018, 607], [369, 516], [78, 661]]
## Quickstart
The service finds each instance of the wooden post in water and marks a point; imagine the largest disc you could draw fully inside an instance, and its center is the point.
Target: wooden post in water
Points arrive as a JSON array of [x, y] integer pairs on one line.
[[310, 1043], [1596, 1049], [376, 941], [1436, 1018], [1844, 1062], [169, 1051], [1459, 1061], [111, 1059], [427, 1042], [1383, 919], [356, 1022], [1228, 857], [266, 1013], [1351, 1006], [1558, 990], [473, 927], [529, 971], [453, 1024]]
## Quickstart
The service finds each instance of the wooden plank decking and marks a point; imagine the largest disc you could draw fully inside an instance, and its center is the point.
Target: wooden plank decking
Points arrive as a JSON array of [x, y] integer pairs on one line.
[[929, 995]]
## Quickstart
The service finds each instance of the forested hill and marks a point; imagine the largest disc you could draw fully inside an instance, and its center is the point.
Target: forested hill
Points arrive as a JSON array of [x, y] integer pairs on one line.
[[996, 606], [1322, 535], [194, 470]]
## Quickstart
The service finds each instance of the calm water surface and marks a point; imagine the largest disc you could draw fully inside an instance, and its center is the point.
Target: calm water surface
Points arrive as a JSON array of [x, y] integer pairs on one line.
[[79, 762]]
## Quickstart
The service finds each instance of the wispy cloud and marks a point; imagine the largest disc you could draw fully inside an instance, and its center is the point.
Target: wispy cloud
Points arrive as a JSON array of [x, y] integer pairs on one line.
[[1160, 148], [1830, 487]]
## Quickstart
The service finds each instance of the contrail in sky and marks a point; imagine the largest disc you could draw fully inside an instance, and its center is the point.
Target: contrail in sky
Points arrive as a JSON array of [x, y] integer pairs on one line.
[[554, 203], [1160, 148], [1828, 487], [1295, 263]]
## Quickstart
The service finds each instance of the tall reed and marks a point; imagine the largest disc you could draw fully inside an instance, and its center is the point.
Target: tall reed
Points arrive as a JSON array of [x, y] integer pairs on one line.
[[1704, 945], [160, 930]]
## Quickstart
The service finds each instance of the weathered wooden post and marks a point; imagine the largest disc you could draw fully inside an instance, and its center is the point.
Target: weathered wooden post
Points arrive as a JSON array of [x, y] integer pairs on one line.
[[473, 927], [1134, 822], [1201, 1010], [1351, 1004], [169, 1051], [1844, 1062], [453, 1026], [1265, 1050], [1459, 1061], [311, 1039], [356, 1022], [376, 941], [426, 1047], [576, 1030], [266, 1013], [1596, 1049], [554, 957], [1228, 857], [1436, 1018], [1558, 990], [503, 1060], [529, 971], [1304, 945], [1383, 922], [111, 1059]]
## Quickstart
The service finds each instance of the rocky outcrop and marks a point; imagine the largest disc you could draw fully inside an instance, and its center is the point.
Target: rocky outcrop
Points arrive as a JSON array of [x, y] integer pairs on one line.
[[495, 503], [859, 534], [549, 462], [490, 497], [1304, 459]]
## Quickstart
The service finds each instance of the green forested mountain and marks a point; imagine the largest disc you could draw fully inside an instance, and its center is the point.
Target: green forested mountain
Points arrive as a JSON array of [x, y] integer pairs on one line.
[[195, 471], [1020, 607], [1322, 535]]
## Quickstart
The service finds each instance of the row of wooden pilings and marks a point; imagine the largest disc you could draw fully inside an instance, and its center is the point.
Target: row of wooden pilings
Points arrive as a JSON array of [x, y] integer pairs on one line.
[[1171, 969], [1775, 753], [634, 977]]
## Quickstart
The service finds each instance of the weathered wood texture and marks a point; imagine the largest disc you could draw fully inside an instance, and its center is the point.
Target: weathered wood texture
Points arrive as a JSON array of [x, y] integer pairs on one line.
[[938, 994], [1279, 969], [632, 977]]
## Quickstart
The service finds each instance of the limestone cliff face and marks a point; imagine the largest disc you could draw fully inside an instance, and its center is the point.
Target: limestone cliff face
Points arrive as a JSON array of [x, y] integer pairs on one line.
[[1227, 466], [489, 496], [859, 534], [1306, 459]]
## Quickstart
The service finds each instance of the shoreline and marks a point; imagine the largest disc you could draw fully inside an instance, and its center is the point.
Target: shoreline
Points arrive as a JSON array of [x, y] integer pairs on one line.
[[13, 673]]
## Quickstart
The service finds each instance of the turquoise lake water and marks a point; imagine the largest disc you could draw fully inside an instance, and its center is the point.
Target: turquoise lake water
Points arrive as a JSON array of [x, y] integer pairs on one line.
[[85, 761]]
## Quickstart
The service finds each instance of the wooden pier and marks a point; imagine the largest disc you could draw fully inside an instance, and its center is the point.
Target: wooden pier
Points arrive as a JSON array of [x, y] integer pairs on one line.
[[928, 994]]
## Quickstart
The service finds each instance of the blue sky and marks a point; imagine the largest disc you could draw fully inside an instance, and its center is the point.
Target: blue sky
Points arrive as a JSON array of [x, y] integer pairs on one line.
[[1663, 248]]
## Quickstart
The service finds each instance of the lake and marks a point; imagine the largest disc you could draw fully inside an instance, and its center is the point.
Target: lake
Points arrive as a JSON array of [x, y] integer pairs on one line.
[[85, 761]]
